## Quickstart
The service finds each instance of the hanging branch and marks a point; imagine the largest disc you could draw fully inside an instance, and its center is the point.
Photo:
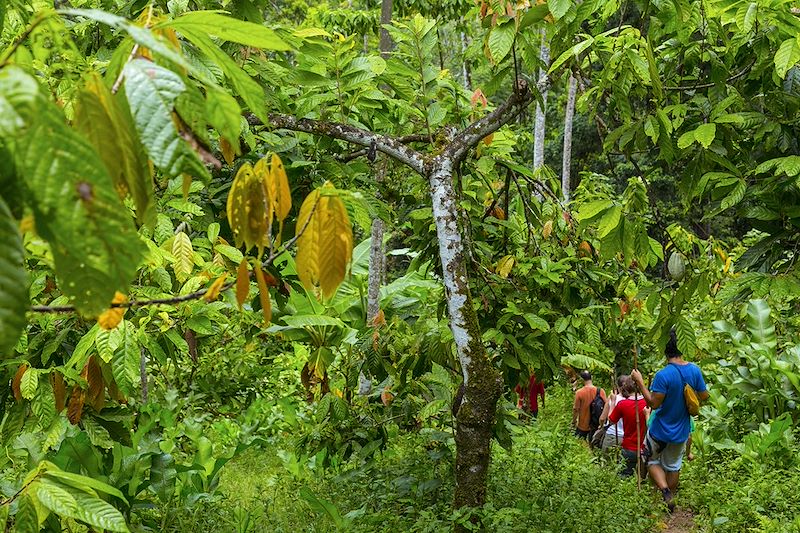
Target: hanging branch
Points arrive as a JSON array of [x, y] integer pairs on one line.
[[196, 295], [405, 139], [388, 145]]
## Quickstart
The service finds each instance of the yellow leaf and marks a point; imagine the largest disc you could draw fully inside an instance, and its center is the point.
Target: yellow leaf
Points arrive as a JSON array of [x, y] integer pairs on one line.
[[280, 192], [547, 229], [27, 224], [183, 253], [325, 245], [110, 318], [213, 291], [227, 150], [242, 282], [249, 209], [728, 263], [504, 266], [263, 294]]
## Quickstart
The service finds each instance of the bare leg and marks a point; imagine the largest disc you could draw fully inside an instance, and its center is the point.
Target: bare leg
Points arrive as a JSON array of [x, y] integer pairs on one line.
[[658, 476], [672, 480]]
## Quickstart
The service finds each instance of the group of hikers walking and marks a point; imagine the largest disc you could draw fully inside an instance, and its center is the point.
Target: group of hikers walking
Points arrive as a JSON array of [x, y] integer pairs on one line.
[[651, 425]]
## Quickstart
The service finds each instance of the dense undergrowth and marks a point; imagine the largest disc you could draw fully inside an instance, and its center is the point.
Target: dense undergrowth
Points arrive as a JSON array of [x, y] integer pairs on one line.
[[548, 482]]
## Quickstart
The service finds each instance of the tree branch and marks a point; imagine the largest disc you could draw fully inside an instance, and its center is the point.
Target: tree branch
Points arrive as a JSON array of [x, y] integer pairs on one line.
[[695, 87], [470, 136], [388, 145], [196, 295], [405, 139]]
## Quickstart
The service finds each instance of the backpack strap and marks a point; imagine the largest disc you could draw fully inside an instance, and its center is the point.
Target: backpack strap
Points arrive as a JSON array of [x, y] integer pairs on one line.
[[683, 380]]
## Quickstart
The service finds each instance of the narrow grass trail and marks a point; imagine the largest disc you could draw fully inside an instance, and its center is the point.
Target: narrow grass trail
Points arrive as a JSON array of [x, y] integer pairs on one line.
[[681, 521]]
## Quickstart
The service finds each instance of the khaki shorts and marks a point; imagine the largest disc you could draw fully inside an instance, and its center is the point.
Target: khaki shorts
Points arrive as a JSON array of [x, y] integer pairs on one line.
[[667, 455]]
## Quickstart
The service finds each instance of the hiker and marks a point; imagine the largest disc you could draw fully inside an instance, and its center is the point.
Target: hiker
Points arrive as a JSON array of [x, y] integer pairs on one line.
[[689, 454], [588, 407], [614, 432], [665, 440], [529, 396], [631, 406]]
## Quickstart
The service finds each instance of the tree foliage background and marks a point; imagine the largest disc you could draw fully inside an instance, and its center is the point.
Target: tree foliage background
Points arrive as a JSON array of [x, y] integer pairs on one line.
[[186, 199]]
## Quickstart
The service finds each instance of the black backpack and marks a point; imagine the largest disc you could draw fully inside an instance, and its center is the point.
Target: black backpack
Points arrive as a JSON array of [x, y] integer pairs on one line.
[[596, 410]]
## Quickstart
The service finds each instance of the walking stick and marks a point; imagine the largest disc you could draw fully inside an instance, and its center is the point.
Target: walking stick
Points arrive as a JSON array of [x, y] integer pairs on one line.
[[638, 424]]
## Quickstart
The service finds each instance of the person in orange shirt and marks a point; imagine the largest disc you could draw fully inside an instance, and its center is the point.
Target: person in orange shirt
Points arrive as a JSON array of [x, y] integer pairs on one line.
[[585, 414]]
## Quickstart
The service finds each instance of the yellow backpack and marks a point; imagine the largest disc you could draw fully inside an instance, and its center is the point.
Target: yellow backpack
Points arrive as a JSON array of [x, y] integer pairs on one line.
[[689, 395]]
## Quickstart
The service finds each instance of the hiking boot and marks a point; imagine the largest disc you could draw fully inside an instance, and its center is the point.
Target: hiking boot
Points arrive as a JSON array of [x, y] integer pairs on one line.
[[667, 495]]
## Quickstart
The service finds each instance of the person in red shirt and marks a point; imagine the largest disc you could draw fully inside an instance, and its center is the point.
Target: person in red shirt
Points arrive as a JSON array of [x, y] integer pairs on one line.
[[627, 409], [529, 396]]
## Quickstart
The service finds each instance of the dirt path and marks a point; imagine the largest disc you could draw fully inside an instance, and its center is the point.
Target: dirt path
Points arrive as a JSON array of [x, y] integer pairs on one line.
[[681, 521]]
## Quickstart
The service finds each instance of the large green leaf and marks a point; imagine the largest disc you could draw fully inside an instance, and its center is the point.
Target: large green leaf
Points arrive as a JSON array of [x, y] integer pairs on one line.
[[152, 91], [224, 114], [787, 56], [26, 520], [584, 361], [109, 127], [56, 497], [323, 507], [91, 235], [228, 29], [84, 483], [13, 282], [501, 39], [559, 8], [705, 133], [69, 502], [760, 324], [98, 513], [250, 91]]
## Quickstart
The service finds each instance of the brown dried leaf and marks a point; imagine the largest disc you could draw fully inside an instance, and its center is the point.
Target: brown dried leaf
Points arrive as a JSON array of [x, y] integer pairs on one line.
[[59, 391], [17, 380], [75, 408], [547, 229], [97, 387], [191, 340]]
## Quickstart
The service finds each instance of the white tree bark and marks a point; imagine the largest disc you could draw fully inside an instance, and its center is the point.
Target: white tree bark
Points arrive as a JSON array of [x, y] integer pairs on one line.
[[566, 156], [464, 69], [539, 124]]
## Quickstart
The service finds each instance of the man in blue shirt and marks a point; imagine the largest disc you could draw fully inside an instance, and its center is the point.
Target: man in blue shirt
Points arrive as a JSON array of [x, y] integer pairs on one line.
[[666, 437]]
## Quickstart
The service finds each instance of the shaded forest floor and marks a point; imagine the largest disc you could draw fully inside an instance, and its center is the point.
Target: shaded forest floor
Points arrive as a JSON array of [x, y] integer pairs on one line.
[[549, 482]]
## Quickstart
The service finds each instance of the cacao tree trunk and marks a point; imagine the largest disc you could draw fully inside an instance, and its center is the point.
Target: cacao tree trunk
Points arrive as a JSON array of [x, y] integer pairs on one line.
[[465, 74], [539, 124], [566, 156], [482, 383]]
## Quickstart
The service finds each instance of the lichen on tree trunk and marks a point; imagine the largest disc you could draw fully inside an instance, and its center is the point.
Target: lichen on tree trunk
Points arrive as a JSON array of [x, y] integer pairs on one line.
[[566, 156], [482, 382], [539, 124]]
